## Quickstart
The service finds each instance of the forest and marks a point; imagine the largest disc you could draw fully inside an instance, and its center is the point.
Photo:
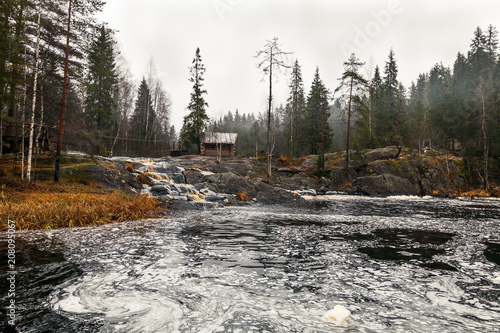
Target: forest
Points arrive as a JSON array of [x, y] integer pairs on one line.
[[103, 110], [453, 110], [64, 81]]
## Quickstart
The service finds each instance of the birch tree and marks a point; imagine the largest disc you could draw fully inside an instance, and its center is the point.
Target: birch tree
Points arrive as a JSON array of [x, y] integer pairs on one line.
[[33, 107]]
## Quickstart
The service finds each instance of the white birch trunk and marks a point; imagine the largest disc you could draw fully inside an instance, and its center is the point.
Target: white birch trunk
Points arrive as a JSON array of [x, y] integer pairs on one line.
[[32, 122]]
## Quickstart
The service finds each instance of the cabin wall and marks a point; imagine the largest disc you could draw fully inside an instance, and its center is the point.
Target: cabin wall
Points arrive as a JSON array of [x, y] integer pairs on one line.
[[210, 149]]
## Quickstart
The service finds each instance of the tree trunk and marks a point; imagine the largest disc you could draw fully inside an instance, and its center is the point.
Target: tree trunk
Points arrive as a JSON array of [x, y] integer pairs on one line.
[[322, 164], [348, 130], [1, 131], [485, 139], [397, 129], [268, 152], [291, 126], [33, 107], [63, 102], [23, 115], [40, 129]]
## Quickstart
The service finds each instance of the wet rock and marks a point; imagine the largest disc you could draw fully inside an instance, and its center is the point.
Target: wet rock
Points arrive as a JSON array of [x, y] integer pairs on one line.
[[207, 193], [310, 192], [159, 190], [177, 178]]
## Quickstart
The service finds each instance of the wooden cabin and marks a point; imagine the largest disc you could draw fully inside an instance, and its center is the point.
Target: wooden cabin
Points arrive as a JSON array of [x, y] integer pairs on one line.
[[215, 143]]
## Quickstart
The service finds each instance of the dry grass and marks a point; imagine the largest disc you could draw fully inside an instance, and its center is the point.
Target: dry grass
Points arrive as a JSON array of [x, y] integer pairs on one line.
[[130, 167], [290, 162], [60, 210], [480, 193], [144, 178], [242, 196], [72, 203]]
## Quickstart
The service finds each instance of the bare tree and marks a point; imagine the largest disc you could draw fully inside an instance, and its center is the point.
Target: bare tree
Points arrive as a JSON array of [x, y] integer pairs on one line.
[[124, 98], [271, 57]]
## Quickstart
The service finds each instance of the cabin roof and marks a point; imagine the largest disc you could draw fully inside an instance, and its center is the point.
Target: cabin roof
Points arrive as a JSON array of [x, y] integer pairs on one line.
[[218, 137]]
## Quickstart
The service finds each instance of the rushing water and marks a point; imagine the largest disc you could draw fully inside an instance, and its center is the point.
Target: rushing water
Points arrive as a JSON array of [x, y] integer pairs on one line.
[[398, 264]]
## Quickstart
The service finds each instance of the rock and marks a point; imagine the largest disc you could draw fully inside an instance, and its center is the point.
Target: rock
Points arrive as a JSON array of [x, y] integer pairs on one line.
[[332, 193], [380, 154], [232, 184], [158, 190], [384, 185], [382, 167], [310, 192], [338, 178], [177, 178], [310, 162], [193, 176]]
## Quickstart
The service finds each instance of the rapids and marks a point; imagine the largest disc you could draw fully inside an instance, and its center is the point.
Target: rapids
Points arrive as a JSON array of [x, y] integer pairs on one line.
[[401, 264]]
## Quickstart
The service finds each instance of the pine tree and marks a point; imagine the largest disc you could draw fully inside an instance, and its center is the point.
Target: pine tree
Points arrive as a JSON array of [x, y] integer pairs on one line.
[[101, 83], [318, 131], [354, 82], [195, 122]]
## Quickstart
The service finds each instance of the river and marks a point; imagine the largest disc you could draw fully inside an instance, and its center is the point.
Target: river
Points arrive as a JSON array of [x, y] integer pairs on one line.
[[398, 264]]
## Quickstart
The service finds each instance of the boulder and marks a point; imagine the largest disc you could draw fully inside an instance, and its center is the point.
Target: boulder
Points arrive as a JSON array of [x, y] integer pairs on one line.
[[160, 190], [382, 167], [232, 184], [194, 176], [380, 154], [384, 185]]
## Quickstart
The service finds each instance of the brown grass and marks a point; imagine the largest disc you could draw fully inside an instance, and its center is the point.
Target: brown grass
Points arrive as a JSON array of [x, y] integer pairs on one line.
[[242, 196], [480, 193], [144, 178], [130, 167], [60, 210], [72, 203]]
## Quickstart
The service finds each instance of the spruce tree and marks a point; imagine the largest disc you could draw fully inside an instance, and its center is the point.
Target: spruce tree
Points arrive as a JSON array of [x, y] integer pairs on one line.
[[318, 132], [387, 116], [196, 121], [143, 120], [101, 83], [376, 105], [295, 111]]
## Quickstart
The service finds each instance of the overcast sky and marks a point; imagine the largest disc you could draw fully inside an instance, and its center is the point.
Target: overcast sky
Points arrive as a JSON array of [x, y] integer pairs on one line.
[[320, 33]]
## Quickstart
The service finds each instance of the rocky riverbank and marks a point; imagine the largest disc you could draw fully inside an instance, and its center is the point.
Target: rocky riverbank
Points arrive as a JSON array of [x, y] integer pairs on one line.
[[200, 181]]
